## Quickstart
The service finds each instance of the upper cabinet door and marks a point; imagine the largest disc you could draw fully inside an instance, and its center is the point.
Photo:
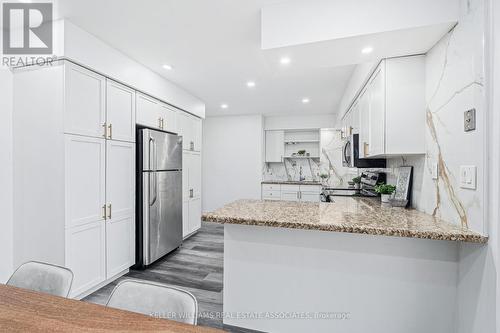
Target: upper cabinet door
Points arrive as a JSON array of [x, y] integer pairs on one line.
[[120, 198], [186, 129], [148, 111], [364, 124], [85, 109], [120, 107], [275, 146], [85, 165], [377, 112], [197, 133], [168, 118]]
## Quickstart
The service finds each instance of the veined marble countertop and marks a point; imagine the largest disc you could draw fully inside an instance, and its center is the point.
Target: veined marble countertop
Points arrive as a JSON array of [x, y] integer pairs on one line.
[[346, 214], [290, 182]]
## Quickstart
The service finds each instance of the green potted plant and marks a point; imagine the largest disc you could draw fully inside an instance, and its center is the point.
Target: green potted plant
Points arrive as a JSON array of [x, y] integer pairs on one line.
[[301, 152], [357, 182], [324, 178], [386, 191]]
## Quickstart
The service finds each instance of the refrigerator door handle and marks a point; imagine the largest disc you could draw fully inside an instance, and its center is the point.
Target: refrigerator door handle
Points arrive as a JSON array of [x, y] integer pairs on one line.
[[152, 174]]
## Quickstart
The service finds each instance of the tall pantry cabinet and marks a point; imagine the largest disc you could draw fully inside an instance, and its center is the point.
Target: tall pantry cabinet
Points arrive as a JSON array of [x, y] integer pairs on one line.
[[190, 128], [74, 161]]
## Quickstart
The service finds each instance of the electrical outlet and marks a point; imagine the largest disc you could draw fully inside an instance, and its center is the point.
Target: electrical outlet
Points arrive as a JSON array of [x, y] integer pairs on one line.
[[468, 176], [470, 120]]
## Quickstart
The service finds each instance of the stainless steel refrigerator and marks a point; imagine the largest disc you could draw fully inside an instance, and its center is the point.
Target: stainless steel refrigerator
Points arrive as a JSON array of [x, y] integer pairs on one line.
[[159, 197]]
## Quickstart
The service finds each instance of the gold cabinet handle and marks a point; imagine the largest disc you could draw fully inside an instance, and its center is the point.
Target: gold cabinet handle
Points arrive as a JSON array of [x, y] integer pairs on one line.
[[104, 212], [366, 148], [105, 129], [110, 130], [109, 211]]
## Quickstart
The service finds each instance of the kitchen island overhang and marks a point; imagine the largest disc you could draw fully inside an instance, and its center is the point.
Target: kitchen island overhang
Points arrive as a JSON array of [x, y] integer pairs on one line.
[[300, 278]]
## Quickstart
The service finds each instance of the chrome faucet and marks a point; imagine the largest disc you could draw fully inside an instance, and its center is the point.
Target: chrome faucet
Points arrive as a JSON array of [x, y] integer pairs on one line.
[[301, 177]]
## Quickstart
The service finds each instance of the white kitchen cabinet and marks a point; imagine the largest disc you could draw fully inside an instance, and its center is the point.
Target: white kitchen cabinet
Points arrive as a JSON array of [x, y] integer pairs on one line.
[[148, 111], [85, 185], [86, 256], [191, 178], [83, 190], [376, 134], [194, 214], [290, 196], [168, 118], [392, 110], [364, 123], [120, 206], [288, 192], [190, 128], [85, 108], [120, 112], [275, 146]]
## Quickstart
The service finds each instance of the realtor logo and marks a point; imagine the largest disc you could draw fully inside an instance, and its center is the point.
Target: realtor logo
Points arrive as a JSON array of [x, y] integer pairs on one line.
[[27, 28]]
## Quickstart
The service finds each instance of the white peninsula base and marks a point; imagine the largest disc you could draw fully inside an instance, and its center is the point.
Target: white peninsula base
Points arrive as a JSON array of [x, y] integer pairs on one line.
[[370, 283]]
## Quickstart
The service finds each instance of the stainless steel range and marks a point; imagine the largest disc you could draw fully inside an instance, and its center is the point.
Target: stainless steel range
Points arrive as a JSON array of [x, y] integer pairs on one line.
[[369, 179]]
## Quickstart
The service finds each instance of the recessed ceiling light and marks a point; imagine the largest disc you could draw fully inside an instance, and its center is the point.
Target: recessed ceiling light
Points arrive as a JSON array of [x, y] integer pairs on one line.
[[305, 100], [250, 84], [367, 50], [168, 67], [285, 60], [224, 106]]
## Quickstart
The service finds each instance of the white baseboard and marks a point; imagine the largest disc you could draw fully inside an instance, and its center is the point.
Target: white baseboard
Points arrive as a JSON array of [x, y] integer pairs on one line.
[[100, 285]]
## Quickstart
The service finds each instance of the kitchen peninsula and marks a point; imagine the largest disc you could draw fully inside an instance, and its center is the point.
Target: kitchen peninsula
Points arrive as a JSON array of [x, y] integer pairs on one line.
[[333, 255]]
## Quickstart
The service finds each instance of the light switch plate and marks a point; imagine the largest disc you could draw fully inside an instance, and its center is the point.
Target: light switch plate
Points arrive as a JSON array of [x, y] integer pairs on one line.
[[435, 170], [470, 120], [468, 175]]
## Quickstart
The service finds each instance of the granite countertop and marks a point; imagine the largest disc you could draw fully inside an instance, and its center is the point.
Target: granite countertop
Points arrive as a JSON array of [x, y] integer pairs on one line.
[[290, 182], [346, 214]]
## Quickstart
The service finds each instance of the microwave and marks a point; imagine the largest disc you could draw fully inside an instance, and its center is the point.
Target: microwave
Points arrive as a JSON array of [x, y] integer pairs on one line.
[[350, 155]]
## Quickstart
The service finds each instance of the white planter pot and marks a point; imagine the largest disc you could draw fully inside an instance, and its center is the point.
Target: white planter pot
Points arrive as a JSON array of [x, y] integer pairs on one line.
[[386, 197]]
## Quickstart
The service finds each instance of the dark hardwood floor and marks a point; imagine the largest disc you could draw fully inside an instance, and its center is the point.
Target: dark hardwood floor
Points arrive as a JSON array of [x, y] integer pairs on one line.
[[197, 267]]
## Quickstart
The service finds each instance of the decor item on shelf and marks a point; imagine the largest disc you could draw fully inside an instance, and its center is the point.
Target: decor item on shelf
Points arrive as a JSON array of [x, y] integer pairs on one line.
[[404, 184], [301, 152], [385, 190], [357, 182]]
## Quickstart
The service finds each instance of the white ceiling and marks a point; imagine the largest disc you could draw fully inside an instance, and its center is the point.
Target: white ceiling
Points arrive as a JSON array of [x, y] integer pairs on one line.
[[215, 48]]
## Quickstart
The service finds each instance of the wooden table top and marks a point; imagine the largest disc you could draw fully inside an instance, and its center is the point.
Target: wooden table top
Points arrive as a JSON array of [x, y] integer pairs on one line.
[[28, 311]]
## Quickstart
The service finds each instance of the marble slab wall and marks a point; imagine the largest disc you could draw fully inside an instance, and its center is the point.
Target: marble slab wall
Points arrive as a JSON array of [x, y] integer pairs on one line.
[[455, 80]]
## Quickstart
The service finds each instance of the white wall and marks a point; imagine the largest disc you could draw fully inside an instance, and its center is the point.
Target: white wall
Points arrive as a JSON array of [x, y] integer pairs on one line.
[[232, 159], [6, 205], [298, 122]]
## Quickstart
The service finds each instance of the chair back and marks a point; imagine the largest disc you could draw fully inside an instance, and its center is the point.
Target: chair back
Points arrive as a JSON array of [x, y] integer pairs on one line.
[[155, 299], [42, 277]]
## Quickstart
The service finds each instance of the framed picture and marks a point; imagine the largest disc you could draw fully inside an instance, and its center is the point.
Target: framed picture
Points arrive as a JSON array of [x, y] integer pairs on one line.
[[403, 185]]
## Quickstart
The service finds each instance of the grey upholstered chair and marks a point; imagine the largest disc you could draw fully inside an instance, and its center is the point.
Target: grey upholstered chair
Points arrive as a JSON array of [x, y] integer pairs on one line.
[[42, 277], [155, 299]]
